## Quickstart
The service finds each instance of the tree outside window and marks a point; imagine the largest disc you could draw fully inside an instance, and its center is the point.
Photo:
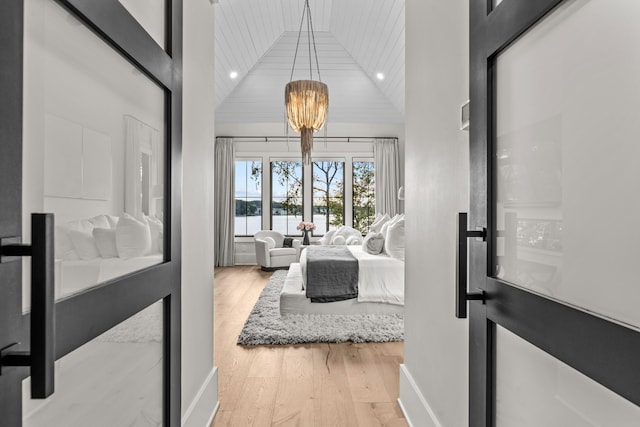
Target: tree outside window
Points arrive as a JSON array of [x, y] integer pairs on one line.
[[328, 196], [364, 191], [286, 196]]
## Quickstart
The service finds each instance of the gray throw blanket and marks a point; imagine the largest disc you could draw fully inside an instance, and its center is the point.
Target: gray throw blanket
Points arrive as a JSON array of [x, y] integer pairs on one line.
[[332, 273]]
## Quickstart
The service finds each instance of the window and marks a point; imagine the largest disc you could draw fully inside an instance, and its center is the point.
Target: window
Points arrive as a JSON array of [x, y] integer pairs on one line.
[[286, 196], [364, 195], [248, 197], [328, 196], [331, 192]]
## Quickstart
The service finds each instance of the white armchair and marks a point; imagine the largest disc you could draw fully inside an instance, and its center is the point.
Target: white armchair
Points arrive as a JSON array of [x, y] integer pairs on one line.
[[270, 254]]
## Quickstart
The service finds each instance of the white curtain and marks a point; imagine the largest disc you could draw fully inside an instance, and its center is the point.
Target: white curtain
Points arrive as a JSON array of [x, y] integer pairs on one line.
[[224, 202], [385, 153]]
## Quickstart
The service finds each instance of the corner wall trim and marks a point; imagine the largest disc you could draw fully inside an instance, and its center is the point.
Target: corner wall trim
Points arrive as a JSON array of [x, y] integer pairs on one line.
[[413, 404], [200, 413]]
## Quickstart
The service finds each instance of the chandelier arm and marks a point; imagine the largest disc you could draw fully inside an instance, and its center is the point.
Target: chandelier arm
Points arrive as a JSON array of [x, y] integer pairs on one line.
[[295, 55], [315, 51]]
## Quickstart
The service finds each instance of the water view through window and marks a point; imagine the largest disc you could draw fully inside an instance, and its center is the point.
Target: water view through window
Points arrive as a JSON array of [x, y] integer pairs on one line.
[[248, 197]]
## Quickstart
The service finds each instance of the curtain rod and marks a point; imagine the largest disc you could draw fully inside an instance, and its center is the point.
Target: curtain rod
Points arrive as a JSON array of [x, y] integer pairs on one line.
[[347, 139]]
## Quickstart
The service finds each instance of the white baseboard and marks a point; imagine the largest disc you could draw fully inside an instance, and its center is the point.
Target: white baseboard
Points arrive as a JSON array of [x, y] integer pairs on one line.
[[413, 404], [205, 404]]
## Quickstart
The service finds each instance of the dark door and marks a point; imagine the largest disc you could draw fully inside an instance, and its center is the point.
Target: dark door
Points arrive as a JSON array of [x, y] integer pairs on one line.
[[553, 292], [90, 128]]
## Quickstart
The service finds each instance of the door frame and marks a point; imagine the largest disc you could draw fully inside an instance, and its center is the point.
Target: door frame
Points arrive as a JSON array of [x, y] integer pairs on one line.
[[81, 318], [601, 349]]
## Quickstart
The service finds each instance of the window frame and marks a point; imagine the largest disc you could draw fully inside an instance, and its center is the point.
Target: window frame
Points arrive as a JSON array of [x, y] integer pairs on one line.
[[302, 205], [344, 189], [261, 161], [353, 206]]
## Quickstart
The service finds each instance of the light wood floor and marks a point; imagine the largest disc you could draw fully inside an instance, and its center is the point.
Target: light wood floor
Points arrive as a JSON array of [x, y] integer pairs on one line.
[[297, 385]]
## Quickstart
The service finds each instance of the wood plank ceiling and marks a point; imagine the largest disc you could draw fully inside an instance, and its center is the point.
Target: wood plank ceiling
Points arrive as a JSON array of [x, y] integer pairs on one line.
[[355, 39]]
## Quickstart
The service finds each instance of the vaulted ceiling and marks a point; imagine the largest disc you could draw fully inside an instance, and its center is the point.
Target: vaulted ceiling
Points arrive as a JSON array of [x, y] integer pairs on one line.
[[355, 40]]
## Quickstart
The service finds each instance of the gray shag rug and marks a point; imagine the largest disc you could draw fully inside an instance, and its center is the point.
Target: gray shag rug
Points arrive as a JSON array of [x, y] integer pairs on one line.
[[265, 325]]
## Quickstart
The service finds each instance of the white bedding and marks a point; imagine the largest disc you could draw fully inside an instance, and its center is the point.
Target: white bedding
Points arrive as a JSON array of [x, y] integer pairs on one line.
[[380, 277], [73, 276], [293, 300]]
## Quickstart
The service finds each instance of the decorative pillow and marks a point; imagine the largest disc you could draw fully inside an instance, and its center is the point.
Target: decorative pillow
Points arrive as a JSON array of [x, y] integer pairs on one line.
[[133, 238], [384, 228], [64, 248], [379, 222], [100, 221], [63, 245], [373, 243], [346, 232], [394, 240], [155, 228], [270, 242], [113, 220], [328, 236], [83, 244], [353, 240], [105, 239], [392, 221], [339, 241]]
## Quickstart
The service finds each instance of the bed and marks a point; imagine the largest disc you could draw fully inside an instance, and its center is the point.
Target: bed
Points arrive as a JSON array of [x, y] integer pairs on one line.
[[380, 282]]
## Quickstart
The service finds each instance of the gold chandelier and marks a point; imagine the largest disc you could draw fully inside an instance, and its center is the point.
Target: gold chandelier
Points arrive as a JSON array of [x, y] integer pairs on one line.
[[307, 101]]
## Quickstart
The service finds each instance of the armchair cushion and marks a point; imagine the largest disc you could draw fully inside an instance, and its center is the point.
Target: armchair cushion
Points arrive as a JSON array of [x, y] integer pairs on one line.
[[270, 242], [282, 252]]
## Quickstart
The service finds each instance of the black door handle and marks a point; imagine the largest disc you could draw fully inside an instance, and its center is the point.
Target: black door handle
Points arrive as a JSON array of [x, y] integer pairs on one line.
[[462, 295], [41, 356]]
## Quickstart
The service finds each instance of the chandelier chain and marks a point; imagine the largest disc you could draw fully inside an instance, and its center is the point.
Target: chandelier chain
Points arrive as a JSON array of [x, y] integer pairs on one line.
[[306, 5], [311, 39], [315, 51], [295, 55]]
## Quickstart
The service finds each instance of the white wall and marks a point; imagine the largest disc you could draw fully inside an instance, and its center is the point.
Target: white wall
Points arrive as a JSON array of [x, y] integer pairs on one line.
[[434, 376], [199, 378]]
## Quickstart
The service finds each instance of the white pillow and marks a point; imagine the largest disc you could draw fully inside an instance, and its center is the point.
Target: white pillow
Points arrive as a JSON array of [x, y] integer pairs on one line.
[[384, 228], [63, 245], [394, 240], [83, 244], [105, 239], [379, 222], [155, 228], [339, 240], [133, 238], [270, 242], [353, 240], [113, 220], [64, 248], [100, 221], [389, 223], [328, 236], [373, 243]]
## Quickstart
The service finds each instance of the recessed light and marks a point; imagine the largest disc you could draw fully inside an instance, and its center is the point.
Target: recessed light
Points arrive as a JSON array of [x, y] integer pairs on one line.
[[233, 74], [380, 76]]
